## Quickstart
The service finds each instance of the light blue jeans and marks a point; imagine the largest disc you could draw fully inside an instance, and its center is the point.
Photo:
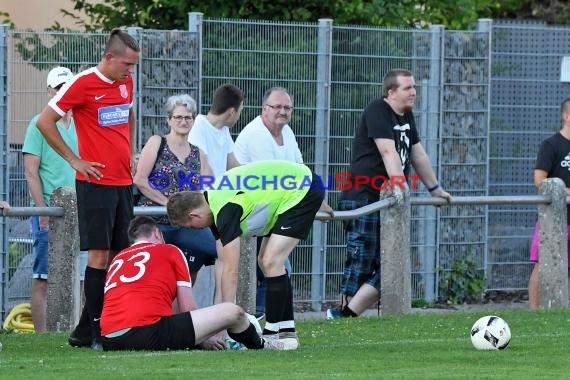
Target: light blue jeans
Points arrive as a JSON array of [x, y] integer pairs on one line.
[[40, 247]]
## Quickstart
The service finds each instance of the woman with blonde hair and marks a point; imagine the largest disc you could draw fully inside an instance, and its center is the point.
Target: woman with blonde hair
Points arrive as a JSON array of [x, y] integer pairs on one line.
[[168, 164]]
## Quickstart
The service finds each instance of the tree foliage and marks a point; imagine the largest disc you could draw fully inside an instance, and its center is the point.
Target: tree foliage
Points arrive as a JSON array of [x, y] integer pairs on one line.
[[172, 14], [5, 19], [549, 11]]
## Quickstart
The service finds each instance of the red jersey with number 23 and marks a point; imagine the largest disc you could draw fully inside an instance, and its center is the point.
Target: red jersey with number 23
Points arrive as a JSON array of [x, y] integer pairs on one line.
[[141, 285], [101, 109]]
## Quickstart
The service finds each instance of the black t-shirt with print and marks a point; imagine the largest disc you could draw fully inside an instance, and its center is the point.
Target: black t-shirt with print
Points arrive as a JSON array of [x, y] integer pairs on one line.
[[379, 121], [554, 158]]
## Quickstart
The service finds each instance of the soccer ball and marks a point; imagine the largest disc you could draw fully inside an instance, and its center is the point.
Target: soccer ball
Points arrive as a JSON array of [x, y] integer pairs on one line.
[[490, 333]]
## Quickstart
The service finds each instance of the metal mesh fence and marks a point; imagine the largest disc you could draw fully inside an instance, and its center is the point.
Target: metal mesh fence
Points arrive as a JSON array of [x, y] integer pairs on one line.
[[525, 104], [464, 139], [256, 56], [30, 57], [169, 66], [485, 99], [360, 58]]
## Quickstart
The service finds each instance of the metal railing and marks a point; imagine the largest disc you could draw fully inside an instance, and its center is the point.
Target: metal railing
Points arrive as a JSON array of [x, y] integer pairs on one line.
[[63, 297]]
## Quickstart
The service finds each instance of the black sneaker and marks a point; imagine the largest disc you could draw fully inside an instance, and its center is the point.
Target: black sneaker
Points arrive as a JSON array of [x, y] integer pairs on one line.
[[76, 341]]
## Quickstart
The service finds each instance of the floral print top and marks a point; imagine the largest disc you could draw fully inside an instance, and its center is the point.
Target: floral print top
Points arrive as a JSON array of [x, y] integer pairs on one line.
[[169, 175]]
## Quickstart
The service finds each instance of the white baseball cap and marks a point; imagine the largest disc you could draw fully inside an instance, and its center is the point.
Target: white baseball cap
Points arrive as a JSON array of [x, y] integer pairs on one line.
[[58, 76]]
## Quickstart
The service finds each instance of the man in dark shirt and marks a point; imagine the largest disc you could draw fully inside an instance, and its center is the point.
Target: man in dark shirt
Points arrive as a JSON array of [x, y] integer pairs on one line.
[[385, 145], [553, 161]]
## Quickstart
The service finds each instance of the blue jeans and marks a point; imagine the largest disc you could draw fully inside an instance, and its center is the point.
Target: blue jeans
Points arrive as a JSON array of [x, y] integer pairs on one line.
[[199, 246], [40, 247]]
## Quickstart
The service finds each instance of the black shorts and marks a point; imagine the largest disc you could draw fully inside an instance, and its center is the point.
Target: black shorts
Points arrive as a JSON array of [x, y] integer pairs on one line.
[[175, 332], [298, 220], [104, 213]]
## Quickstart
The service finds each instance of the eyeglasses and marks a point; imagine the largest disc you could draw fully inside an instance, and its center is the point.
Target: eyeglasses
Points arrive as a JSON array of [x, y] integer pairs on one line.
[[180, 118], [279, 108]]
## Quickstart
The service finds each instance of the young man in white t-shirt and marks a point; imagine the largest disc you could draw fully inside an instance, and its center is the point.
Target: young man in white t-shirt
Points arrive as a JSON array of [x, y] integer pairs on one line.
[[211, 132]]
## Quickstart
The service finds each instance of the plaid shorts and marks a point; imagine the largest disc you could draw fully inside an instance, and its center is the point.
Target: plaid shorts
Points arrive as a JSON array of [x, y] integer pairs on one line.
[[362, 263]]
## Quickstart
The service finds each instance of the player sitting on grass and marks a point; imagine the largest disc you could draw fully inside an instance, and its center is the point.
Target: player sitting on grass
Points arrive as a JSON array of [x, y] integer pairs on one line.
[[142, 283]]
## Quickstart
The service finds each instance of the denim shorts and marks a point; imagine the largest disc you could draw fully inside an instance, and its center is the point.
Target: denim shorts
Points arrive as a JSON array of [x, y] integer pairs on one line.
[[82, 264], [40, 248]]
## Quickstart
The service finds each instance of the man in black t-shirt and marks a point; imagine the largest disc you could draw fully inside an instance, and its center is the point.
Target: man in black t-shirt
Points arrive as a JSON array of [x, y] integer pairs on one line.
[[553, 161], [385, 145]]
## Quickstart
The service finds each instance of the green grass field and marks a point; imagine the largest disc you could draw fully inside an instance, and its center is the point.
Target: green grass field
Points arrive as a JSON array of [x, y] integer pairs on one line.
[[415, 346]]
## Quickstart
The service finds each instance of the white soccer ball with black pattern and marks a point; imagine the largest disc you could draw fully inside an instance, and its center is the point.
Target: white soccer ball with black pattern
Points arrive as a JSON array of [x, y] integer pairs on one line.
[[490, 333]]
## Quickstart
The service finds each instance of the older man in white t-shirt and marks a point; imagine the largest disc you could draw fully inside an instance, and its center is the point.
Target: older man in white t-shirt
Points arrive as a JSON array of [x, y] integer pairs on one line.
[[269, 137]]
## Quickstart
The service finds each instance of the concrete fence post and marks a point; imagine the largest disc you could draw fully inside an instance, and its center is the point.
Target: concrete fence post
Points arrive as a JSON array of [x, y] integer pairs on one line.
[[247, 275], [63, 300], [553, 242], [395, 262]]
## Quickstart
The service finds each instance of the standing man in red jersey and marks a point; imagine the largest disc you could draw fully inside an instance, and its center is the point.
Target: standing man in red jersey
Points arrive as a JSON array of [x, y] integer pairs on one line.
[[101, 99]]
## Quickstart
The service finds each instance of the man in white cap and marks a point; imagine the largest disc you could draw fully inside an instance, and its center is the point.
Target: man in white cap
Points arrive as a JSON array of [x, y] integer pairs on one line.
[[45, 171]]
